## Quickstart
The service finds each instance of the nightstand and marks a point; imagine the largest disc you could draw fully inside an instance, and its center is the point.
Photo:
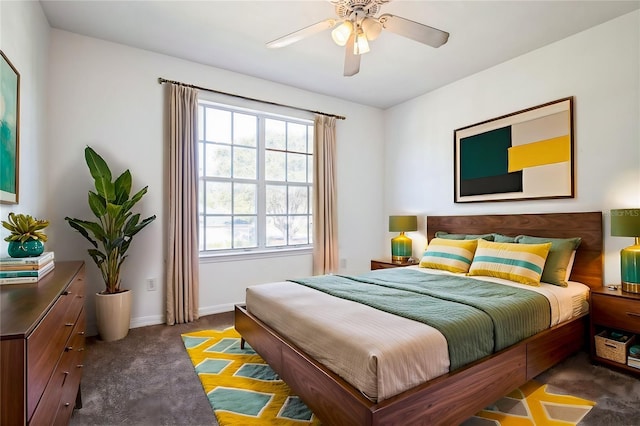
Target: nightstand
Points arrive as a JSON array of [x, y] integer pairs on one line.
[[614, 310], [388, 263]]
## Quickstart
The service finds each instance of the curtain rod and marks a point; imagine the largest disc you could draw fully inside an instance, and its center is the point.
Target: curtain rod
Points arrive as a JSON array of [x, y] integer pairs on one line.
[[164, 80]]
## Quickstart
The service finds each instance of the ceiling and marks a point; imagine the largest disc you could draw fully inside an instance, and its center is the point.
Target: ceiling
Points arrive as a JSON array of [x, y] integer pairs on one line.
[[232, 35]]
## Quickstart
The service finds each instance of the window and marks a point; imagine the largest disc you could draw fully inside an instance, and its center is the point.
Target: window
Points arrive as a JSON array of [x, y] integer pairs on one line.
[[255, 172]]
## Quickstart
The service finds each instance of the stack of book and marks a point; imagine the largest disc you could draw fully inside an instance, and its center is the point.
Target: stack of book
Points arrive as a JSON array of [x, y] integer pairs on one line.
[[20, 270]]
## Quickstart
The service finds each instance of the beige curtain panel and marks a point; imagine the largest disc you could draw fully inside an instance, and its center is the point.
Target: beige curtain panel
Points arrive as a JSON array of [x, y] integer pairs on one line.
[[325, 223], [183, 257]]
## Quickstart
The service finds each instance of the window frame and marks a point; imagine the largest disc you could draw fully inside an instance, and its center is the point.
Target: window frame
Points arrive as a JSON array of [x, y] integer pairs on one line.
[[262, 112]]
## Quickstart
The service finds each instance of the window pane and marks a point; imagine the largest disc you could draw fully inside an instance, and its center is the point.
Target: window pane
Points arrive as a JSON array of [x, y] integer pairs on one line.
[[275, 134], [276, 230], [245, 129], [276, 197], [218, 125], [297, 137], [244, 232], [298, 230], [245, 163], [275, 167], [200, 120], [201, 232], [310, 168], [244, 198], [296, 167], [200, 159], [218, 198], [218, 231], [310, 136], [298, 201], [218, 161]]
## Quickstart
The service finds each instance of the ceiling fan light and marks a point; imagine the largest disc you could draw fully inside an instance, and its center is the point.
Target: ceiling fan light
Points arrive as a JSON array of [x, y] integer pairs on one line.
[[341, 34], [372, 28], [361, 45]]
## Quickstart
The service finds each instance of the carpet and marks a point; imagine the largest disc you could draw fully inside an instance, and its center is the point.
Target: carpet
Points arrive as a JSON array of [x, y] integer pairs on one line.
[[244, 390]]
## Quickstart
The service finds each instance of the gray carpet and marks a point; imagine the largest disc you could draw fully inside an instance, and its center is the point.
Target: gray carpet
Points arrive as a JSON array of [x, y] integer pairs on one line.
[[148, 379]]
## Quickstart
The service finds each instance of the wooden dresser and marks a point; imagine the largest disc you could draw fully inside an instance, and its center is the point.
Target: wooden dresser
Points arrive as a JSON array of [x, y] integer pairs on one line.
[[42, 329]]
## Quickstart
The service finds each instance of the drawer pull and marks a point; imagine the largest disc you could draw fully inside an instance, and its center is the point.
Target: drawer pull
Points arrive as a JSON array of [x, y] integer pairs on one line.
[[69, 324], [633, 314], [68, 349], [80, 365], [66, 404], [81, 333], [67, 292], [81, 349], [66, 373]]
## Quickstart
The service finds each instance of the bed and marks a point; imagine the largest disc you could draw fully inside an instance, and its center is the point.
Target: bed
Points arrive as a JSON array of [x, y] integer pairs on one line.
[[450, 397]]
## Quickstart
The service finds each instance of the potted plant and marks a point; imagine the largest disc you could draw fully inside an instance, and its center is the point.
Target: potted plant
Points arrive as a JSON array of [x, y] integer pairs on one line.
[[111, 236], [26, 238]]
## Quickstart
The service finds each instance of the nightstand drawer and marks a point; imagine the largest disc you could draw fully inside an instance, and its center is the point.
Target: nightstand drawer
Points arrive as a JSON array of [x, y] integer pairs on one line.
[[616, 312]]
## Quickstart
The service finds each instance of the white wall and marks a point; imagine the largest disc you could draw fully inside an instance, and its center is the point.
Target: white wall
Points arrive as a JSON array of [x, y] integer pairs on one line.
[[599, 67], [24, 39], [106, 95]]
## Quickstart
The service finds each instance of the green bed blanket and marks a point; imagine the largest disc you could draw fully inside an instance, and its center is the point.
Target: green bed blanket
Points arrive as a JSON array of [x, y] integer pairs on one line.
[[476, 317]]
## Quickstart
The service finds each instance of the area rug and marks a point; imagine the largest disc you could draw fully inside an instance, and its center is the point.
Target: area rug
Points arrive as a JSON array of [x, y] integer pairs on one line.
[[244, 390]]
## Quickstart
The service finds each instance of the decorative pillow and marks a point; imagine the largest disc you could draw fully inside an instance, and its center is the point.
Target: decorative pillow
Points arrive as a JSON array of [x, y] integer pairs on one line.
[[522, 263], [499, 238], [449, 255], [448, 236], [555, 270]]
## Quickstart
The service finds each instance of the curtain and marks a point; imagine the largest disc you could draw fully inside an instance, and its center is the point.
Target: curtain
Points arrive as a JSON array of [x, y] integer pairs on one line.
[[325, 223], [182, 246]]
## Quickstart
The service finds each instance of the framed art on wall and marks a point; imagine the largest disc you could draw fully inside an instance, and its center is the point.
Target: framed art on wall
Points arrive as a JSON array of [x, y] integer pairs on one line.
[[9, 130], [520, 156]]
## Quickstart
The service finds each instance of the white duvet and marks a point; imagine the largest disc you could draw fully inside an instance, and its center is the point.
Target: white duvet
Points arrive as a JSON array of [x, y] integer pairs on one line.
[[379, 353]]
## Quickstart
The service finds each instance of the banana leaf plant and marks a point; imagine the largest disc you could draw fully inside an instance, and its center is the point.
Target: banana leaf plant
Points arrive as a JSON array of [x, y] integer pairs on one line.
[[113, 232]]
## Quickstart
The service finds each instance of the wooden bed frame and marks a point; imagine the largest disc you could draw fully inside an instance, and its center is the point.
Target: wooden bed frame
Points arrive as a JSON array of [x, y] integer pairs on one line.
[[453, 397]]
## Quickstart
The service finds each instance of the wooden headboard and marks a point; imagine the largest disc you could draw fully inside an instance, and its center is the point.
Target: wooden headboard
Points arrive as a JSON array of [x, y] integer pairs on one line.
[[588, 264]]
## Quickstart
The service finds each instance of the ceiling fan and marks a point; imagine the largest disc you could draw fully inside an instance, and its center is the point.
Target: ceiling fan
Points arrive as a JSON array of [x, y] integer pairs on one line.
[[357, 24]]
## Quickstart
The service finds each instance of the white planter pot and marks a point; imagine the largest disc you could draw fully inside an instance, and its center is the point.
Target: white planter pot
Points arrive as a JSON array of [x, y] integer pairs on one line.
[[113, 315]]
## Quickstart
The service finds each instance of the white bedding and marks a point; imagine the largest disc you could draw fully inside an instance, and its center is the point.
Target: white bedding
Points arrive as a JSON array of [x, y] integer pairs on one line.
[[380, 354]]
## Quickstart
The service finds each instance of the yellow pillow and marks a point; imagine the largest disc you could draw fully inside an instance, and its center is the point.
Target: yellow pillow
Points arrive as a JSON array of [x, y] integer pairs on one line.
[[449, 255], [522, 263]]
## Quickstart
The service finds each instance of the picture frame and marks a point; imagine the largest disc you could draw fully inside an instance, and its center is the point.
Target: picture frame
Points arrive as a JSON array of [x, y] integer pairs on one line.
[[525, 155], [9, 131]]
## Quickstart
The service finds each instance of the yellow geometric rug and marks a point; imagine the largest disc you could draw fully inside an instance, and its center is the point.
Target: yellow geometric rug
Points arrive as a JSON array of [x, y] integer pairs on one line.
[[244, 390]]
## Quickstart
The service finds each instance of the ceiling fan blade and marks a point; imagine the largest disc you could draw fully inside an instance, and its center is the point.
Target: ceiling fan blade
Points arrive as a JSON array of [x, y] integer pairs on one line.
[[414, 30], [300, 34], [351, 60]]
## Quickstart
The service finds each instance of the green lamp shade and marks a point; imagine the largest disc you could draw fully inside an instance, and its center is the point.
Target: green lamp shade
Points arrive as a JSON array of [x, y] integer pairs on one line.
[[626, 223], [401, 248], [403, 223]]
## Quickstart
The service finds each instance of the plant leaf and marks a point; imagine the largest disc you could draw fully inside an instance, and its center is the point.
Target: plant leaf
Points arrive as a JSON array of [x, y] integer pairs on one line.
[[97, 166], [97, 204], [123, 187]]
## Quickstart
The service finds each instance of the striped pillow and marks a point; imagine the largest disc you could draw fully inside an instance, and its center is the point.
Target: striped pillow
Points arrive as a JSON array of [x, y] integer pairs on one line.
[[449, 255], [522, 263]]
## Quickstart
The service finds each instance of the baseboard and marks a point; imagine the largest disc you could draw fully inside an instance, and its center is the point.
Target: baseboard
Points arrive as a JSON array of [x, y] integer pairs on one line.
[[92, 329]]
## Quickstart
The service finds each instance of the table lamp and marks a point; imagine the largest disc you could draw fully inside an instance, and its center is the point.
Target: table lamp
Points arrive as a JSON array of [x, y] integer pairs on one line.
[[626, 223], [401, 249]]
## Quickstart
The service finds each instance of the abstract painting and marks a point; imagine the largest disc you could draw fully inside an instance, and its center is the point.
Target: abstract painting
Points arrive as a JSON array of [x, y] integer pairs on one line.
[[521, 156], [9, 130]]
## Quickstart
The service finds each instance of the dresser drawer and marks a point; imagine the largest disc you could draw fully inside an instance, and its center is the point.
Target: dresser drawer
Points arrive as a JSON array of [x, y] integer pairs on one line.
[[616, 312], [60, 393], [48, 341]]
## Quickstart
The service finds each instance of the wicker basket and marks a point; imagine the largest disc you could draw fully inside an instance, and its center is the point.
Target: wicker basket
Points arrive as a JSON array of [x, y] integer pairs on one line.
[[613, 350]]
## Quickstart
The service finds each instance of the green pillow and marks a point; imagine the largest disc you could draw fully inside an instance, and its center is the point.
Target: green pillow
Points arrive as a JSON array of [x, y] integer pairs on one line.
[[448, 236], [499, 238], [555, 268]]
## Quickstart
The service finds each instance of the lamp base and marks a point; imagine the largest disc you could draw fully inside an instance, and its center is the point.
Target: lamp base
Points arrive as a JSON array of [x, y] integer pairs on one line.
[[401, 248], [630, 269]]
